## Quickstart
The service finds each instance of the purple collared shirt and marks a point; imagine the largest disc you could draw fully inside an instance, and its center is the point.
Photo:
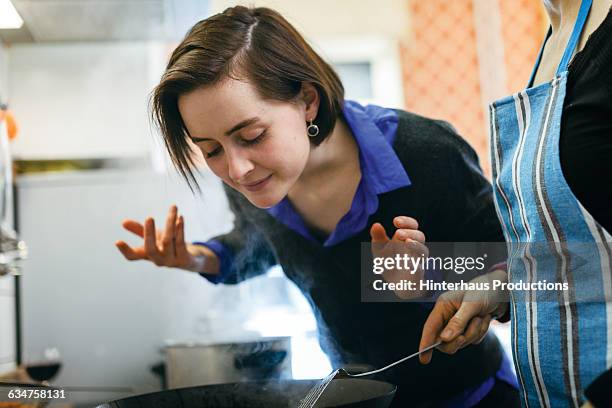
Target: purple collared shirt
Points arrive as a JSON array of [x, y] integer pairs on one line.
[[374, 129]]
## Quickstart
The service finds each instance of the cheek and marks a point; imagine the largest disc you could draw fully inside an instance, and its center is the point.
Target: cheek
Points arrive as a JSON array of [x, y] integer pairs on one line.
[[269, 155], [302, 149], [302, 141], [286, 156], [219, 169]]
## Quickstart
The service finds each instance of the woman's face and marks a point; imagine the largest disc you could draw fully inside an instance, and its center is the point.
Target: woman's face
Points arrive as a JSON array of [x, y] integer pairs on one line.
[[256, 146]]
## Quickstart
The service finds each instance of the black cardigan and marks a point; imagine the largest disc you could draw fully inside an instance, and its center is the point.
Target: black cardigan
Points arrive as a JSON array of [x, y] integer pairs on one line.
[[452, 202]]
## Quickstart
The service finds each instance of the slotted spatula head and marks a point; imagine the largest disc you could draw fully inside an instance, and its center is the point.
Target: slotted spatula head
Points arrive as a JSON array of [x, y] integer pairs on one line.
[[310, 400]]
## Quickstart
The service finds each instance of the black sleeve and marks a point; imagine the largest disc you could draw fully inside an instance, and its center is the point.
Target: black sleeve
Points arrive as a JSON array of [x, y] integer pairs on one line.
[[470, 197], [247, 252], [454, 198], [472, 205], [466, 202], [585, 141], [598, 393]]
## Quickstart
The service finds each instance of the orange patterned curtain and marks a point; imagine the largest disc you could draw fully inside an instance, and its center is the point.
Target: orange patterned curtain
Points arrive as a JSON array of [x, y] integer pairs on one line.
[[463, 54]]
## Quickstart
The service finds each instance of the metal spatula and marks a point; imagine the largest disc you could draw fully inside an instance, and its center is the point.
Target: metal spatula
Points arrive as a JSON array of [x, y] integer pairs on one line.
[[315, 393]]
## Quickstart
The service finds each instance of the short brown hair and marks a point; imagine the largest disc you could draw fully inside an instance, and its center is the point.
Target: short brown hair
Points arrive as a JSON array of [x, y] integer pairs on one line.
[[256, 44]]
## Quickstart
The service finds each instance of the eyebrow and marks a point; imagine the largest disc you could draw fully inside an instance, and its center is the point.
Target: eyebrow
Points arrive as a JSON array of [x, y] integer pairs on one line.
[[241, 125]]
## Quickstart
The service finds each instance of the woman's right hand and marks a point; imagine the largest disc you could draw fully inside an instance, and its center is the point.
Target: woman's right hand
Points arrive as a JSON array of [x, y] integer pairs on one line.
[[167, 247], [460, 318]]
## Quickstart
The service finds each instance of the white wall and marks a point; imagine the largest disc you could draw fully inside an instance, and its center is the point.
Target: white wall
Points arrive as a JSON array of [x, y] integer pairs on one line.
[[80, 100], [339, 18], [7, 294], [3, 72]]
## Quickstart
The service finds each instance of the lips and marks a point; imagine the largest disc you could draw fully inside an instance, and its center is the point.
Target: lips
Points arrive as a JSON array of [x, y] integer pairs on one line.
[[258, 185]]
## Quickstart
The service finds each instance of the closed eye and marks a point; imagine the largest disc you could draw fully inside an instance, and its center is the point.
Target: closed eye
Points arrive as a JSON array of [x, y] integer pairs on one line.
[[213, 153], [251, 142], [245, 142]]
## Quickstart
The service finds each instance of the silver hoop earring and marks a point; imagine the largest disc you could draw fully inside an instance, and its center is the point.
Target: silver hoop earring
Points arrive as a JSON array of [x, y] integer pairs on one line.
[[312, 130]]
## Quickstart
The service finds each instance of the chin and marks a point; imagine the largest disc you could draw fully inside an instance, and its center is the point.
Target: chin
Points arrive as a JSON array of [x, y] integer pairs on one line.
[[264, 201]]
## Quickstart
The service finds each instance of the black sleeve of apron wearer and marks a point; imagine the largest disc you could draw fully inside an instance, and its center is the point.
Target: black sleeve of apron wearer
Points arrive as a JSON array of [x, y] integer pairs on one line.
[[250, 253], [598, 393], [585, 145]]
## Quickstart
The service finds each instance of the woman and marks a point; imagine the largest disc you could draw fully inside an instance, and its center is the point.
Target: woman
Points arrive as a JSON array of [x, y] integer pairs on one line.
[[551, 149], [308, 175]]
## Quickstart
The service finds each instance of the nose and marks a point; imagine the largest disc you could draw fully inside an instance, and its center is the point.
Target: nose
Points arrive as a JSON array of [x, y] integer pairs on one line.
[[238, 165]]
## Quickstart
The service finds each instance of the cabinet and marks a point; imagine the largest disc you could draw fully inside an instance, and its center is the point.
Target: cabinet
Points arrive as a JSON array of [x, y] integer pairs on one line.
[[81, 100]]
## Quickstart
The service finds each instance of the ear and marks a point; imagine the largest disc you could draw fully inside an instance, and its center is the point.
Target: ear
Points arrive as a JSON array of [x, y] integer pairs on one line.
[[310, 96]]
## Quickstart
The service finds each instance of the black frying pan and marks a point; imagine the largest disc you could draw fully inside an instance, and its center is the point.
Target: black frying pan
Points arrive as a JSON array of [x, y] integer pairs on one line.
[[345, 393]]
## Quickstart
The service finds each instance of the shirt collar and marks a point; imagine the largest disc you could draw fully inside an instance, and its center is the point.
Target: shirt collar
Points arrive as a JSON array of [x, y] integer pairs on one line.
[[374, 129]]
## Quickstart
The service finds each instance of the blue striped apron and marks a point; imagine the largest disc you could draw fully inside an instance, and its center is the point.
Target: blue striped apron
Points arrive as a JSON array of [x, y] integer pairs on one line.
[[561, 340]]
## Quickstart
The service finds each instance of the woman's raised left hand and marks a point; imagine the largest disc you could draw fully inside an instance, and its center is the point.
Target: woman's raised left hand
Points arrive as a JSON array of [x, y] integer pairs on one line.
[[407, 240]]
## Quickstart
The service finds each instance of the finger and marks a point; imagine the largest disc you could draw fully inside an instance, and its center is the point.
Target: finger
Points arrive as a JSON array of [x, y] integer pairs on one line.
[[405, 234], [405, 222], [415, 248], [473, 331], [433, 325], [468, 337], [150, 245], [378, 233], [484, 329], [168, 236], [134, 227], [181, 248], [127, 251], [459, 322]]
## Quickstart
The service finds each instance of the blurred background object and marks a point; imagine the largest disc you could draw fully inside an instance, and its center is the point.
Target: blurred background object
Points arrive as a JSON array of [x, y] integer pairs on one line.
[[12, 249], [8, 118]]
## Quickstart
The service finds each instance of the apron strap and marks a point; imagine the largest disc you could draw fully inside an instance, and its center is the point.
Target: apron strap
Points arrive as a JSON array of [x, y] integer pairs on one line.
[[583, 13], [537, 64]]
